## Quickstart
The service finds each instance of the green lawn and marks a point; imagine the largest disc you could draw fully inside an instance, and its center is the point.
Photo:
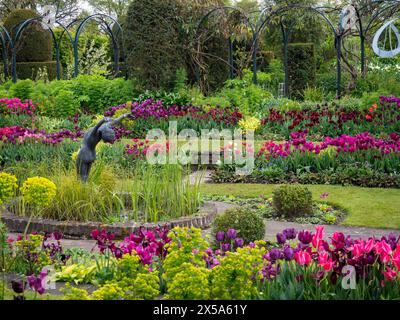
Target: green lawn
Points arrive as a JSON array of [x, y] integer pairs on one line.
[[366, 207]]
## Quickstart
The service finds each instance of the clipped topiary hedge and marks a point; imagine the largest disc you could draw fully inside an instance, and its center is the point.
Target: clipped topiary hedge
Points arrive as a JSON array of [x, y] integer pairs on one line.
[[248, 224], [302, 69], [30, 70], [36, 43]]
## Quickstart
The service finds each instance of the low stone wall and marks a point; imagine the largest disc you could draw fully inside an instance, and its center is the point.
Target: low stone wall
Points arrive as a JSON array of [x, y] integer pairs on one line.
[[82, 230]]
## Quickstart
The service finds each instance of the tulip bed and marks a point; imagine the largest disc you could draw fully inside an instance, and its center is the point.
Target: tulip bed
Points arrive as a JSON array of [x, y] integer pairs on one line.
[[181, 264]]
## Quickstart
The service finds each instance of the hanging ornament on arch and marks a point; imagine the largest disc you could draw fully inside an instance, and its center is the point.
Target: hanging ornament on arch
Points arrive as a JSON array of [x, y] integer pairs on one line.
[[348, 18], [387, 28]]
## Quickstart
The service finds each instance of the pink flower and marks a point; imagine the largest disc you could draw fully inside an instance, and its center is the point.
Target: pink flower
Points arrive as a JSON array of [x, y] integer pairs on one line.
[[396, 257], [324, 261], [302, 258], [319, 235], [390, 274]]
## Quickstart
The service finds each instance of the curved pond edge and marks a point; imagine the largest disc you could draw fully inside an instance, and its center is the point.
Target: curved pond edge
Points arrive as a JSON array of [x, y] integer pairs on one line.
[[81, 230]]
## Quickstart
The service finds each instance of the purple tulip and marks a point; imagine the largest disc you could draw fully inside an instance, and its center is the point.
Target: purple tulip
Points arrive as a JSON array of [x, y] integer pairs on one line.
[[274, 254], [290, 234], [231, 233], [226, 247], [220, 236], [281, 238], [239, 242], [288, 252], [305, 237]]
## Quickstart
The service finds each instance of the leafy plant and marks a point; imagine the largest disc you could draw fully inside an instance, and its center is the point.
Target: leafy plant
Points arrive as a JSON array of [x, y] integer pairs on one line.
[[292, 200], [249, 225]]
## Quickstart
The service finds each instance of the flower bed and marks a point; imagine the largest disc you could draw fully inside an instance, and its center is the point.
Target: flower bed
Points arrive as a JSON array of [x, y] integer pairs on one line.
[[360, 160], [335, 121], [180, 264]]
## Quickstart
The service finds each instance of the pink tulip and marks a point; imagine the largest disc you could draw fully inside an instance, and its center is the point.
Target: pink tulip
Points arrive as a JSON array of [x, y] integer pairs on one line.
[[302, 258], [390, 274], [319, 235]]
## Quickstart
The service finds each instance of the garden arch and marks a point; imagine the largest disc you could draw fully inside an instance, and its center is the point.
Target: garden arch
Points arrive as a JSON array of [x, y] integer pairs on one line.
[[21, 27], [362, 32], [268, 14], [101, 19], [220, 10], [4, 38]]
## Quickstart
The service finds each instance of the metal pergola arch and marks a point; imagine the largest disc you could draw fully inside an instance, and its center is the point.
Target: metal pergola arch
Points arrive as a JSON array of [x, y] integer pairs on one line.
[[101, 19], [230, 53], [267, 14], [5, 39], [320, 10], [362, 32]]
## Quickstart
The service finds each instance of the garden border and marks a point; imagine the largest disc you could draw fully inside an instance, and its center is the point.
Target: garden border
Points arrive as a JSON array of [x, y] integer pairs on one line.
[[82, 230]]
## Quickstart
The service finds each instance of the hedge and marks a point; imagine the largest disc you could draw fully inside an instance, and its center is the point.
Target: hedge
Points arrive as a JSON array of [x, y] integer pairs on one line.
[[301, 67]]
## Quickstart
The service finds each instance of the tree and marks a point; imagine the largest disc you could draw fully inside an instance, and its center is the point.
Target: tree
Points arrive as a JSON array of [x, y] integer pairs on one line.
[[114, 8], [67, 10]]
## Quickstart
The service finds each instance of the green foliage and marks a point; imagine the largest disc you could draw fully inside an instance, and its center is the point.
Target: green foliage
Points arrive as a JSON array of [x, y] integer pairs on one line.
[[35, 70], [191, 283], [185, 251], [302, 68], [249, 225], [292, 200], [152, 42], [23, 89], [66, 104], [36, 42], [313, 94], [91, 94], [245, 95], [238, 271]]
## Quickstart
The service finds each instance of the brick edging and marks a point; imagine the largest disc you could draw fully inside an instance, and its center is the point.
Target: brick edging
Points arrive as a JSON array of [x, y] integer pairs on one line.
[[82, 230]]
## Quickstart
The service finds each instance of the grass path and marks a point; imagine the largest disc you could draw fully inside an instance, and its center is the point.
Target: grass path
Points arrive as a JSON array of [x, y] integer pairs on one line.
[[366, 207]]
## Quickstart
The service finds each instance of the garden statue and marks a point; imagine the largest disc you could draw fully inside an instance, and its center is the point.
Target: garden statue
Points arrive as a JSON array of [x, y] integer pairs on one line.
[[87, 154]]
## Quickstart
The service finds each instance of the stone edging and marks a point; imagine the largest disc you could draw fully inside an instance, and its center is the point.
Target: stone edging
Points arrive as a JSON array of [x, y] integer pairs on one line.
[[82, 230]]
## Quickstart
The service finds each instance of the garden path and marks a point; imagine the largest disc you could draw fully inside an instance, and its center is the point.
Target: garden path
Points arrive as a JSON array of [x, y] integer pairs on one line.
[[271, 229]]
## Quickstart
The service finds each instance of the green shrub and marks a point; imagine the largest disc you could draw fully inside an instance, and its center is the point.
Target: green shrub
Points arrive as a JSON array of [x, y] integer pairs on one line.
[[313, 94], [249, 225], [292, 200], [301, 67], [22, 89], [31, 70], [35, 43]]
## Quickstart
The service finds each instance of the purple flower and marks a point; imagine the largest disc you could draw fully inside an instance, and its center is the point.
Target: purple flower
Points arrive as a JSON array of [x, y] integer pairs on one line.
[[18, 286], [305, 237], [324, 195], [281, 238], [226, 247], [290, 233], [36, 283], [220, 236], [288, 253], [239, 242], [274, 254], [231, 233]]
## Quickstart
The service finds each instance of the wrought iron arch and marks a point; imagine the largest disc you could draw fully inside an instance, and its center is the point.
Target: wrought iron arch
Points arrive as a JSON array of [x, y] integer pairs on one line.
[[20, 28], [230, 53], [4, 38], [362, 32], [268, 14], [101, 19]]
